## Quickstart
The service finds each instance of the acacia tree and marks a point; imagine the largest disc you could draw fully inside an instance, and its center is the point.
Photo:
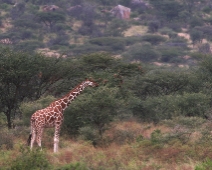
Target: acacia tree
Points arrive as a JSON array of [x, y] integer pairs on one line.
[[168, 9], [24, 76], [50, 18]]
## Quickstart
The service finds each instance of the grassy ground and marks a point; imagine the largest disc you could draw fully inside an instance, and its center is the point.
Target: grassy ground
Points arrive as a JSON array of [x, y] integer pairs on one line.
[[176, 145], [136, 30]]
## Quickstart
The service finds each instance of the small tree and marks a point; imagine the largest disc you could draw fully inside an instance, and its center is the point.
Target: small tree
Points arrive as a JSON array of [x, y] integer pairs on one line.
[[96, 109], [50, 18], [25, 76], [116, 28]]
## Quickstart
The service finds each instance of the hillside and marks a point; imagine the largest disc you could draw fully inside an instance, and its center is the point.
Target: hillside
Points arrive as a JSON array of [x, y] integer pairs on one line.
[[73, 28]]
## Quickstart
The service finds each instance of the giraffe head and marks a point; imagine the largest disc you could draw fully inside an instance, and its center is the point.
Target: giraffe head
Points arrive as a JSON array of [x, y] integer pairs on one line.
[[91, 83]]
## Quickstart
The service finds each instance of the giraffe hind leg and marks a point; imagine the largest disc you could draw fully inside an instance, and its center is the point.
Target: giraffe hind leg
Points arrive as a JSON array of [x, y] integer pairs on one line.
[[29, 139], [33, 135]]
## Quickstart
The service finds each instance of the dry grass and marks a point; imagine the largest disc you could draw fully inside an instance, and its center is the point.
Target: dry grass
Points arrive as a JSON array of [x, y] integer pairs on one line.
[[125, 150], [136, 30]]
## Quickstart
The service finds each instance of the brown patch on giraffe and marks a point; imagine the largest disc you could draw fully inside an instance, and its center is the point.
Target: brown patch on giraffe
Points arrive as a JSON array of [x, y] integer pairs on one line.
[[51, 119], [59, 118], [63, 105]]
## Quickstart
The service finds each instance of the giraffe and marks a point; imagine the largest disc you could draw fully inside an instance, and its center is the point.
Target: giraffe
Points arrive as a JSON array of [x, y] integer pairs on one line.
[[52, 116]]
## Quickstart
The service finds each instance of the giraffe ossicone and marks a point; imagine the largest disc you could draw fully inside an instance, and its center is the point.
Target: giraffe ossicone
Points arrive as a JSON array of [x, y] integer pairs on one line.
[[52, 116]]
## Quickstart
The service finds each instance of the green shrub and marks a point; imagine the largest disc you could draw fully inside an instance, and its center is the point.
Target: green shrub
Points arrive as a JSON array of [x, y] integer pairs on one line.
[[6, 139], [206, 165], [33, 160], [187, 122], [153, 26], [166, 107], [30, 45], [88, 48], [142, 52], [156, 137], [90, 134], [74, 166], [25, 23], [124, 136], [4, 6], [112, 42], [168, 31], [170, 54], [133, 39], [154, 39]]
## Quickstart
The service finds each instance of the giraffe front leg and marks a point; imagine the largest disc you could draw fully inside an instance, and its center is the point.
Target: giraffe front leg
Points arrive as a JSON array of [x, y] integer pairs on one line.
[[39, 137], [56, 138]]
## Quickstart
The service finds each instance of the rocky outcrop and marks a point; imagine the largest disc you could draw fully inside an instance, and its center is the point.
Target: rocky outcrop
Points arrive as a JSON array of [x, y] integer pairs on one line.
[[121, 12]]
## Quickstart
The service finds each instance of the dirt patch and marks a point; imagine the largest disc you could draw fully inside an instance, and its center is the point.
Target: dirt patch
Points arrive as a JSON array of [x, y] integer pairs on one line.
[[50, 53], [136, 31]]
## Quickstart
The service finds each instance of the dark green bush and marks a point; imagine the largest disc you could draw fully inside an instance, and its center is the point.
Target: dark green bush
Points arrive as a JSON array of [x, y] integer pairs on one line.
[[25, 23], [153, 26], [142, 52], [88, 48], [89, 134], [4, 6], [74, 166], [32, 160], [168, 31], [206, 165], [112, 42], [30, 45], [166, 107], [154, 39], [6, 139], [133, 39], [169, 54]]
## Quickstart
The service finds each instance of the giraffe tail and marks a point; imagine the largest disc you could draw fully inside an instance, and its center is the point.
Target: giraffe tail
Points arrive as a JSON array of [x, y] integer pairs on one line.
[[29, 139]]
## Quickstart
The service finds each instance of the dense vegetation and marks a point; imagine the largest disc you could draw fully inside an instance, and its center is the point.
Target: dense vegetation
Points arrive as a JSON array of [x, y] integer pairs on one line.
[[133, 96]]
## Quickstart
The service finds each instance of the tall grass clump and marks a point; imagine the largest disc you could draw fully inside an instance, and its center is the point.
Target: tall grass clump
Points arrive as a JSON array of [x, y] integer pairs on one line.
[[206, 165], [6, 139], [32, 160]]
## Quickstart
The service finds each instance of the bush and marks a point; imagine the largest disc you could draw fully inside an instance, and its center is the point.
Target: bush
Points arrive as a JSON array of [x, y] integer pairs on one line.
[[88, 48], [206, 165], [4, 6], [153, 26], [142, 52], [169, 54], [30, 45], [168, 31], [166, 107], [133, 39], [93, 110], [25, 23], [153, 39], [112, 42], [74, 166], [90, 134], [61, 39], [6, 139], [32, 160]]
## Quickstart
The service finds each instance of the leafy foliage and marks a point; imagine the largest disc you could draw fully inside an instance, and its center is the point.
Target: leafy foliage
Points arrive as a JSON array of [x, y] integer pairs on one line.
[[27, 159]]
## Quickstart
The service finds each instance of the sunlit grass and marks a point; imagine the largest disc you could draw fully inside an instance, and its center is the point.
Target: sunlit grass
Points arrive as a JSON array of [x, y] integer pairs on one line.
[[127, 145], [136, 30]]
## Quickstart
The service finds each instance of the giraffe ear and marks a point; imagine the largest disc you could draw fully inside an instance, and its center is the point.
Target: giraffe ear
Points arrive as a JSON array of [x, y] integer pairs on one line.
[[90, 78]]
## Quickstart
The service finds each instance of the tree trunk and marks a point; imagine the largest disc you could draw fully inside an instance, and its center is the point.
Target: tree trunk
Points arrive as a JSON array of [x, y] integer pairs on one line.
[[9, 122]]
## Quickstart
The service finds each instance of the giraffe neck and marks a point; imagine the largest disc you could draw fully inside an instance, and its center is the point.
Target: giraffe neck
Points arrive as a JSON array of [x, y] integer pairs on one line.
[[68, 98]]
